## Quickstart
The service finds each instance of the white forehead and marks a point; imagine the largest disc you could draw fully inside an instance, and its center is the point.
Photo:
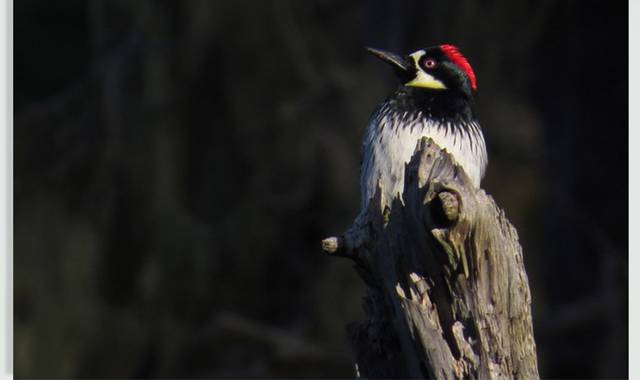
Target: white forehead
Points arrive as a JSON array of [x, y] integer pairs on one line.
[[416, 55]]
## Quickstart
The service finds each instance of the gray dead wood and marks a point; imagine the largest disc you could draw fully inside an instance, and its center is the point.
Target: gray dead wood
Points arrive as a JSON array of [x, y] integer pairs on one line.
[[447, 293]]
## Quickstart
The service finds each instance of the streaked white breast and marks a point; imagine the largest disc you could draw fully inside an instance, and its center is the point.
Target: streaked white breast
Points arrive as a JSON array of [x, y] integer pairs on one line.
[[389, 145]]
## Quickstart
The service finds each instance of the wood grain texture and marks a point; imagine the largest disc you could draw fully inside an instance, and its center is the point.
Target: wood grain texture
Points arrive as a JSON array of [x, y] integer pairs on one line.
[[447, 293]]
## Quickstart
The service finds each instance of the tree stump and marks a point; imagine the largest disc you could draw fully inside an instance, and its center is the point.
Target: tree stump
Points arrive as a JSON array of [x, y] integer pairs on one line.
[[447, 294]]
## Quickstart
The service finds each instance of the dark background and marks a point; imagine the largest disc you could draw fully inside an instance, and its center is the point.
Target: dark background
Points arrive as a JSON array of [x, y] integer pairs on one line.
[[178, 162]]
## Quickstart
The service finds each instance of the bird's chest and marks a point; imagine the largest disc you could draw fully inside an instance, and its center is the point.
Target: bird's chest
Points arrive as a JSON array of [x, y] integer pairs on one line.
[[390, 143], [393, 141]]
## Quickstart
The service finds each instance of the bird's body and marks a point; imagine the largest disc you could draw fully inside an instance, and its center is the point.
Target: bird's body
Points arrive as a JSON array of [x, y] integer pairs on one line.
[[443, 114]]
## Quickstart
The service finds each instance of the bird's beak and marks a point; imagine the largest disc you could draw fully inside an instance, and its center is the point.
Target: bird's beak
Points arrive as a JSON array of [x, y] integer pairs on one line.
[[399, 63]]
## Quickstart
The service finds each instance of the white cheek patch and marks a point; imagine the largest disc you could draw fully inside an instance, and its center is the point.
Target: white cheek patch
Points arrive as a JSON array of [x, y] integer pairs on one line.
[[422, 78], [425, 80]]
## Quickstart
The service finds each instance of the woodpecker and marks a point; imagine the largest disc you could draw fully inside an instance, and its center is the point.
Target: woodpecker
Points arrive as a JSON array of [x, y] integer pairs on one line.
[[435, 100]]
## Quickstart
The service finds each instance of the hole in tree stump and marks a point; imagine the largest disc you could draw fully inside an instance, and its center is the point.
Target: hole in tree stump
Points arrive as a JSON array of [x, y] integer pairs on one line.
[[445, 209]]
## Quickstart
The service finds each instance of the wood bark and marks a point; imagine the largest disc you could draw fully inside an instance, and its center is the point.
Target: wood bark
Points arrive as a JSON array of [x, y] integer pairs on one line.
[[447, 293]]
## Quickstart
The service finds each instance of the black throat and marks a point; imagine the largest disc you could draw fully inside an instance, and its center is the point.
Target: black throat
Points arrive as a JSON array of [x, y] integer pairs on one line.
[[442, 106]]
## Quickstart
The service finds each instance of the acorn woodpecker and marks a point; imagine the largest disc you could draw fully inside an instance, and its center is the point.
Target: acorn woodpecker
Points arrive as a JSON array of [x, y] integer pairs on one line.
[[434, 100]]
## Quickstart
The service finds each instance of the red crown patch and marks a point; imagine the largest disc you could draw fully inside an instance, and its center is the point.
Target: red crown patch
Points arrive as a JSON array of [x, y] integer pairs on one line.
[[459, 60]]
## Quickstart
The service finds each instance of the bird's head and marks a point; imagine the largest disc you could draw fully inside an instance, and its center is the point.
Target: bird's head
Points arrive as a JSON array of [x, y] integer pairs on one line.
[[437, 68]]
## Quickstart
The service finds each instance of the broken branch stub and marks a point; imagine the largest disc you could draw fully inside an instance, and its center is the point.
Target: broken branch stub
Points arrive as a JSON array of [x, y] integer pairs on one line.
[[447, 293]]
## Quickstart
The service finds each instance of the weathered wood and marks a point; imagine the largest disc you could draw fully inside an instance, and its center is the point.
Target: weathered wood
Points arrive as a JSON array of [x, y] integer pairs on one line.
[[447, 293]]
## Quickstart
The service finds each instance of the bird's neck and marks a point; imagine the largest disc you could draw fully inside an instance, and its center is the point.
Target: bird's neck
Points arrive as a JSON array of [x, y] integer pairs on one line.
[[435, 104]]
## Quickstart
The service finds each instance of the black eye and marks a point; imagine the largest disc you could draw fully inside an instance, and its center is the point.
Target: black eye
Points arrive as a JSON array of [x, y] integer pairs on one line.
[[429, 63]]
